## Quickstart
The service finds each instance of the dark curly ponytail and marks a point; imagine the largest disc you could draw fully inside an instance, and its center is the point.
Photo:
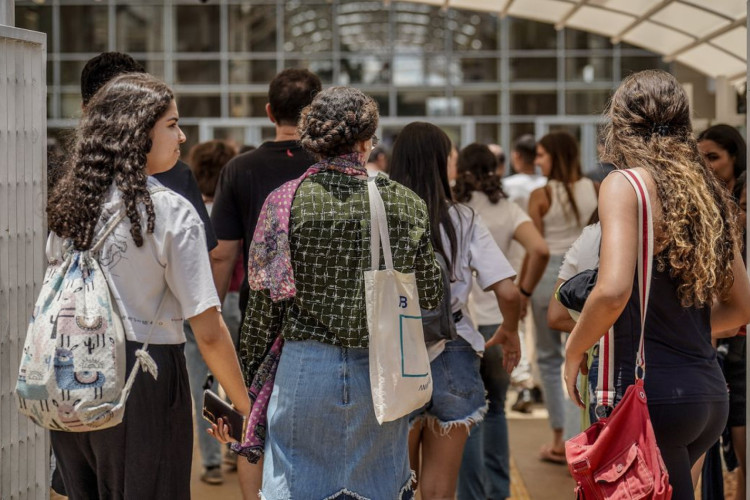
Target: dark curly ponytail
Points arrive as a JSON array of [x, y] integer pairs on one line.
[[477, 171], [336, 120], [111, 144]]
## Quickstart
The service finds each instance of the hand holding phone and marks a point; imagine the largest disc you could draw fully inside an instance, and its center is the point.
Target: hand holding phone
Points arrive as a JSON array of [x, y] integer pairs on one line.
[[215, 408]]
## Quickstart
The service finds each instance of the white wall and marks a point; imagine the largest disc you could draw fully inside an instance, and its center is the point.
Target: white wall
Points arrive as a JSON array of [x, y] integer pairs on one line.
[[24, 447]]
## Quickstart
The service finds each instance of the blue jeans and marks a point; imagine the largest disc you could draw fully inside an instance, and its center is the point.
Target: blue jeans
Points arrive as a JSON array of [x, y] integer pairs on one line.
[[323, 440], [549, 345], [485, 468], [197, 373]]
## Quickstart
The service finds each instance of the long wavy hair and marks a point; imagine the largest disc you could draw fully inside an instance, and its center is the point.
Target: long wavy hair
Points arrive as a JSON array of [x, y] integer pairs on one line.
[[110, 145], [650, 128], [477, 171], [419, 161], [566, 166]]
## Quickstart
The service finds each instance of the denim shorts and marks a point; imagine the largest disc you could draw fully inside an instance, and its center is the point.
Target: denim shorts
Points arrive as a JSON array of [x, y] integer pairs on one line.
[[458, 395], [323, 439]]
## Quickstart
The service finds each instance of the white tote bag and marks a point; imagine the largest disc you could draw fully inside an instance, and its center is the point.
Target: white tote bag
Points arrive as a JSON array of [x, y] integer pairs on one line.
[[400, 376]]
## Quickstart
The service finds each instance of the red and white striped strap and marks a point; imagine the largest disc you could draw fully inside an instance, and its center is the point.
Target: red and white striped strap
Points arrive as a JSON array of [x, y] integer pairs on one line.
[[605, 391]]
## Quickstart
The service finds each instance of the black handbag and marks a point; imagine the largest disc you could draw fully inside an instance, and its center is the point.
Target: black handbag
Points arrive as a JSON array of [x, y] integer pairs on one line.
[[573, 293], [439, 323]]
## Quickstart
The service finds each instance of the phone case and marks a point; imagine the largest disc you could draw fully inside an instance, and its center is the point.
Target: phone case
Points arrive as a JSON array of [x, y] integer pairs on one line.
[[215, 408]]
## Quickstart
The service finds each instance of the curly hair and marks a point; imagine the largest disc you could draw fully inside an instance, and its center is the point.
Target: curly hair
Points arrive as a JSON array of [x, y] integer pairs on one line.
[[566, 164], [650, 128], [206, 161], [336, 120], [111, 144], [477, 171]]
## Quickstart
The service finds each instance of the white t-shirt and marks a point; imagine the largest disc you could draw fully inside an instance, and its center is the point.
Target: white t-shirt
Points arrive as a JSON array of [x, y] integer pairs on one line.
[[477, 255], [560, 225], [583, 254], [518, 187], [502, 220], [172, 261]]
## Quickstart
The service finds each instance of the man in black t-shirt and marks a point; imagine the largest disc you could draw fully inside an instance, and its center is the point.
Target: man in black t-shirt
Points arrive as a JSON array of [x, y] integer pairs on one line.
[[246, 181], [96, 73], [244, 184]]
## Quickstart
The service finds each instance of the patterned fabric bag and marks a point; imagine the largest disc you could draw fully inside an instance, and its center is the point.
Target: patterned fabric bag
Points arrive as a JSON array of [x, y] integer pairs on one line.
[[72, 374]]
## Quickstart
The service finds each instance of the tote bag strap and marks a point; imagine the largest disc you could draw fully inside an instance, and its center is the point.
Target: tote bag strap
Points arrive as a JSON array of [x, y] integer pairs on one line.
[[378, 228], [605, 383]]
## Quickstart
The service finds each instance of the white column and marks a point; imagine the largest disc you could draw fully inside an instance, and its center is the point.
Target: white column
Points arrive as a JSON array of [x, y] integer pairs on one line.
[[8, 12]]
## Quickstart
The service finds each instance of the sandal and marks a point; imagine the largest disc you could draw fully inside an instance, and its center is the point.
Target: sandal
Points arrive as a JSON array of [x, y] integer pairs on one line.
[[547, 454]]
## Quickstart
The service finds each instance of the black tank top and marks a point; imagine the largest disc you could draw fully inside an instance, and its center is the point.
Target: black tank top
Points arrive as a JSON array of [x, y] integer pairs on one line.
[[681, 363]]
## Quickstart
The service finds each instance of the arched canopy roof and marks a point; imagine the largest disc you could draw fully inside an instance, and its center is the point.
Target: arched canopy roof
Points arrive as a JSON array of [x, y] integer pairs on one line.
[[707, 35]]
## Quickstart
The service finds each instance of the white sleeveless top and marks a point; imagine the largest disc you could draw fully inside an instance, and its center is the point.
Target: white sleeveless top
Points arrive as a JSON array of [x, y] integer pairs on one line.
[[561, 228]]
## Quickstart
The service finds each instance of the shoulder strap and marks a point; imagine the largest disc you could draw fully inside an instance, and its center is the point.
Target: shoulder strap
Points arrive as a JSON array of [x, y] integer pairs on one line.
[[108, 228], [378, 228], [605, 383]]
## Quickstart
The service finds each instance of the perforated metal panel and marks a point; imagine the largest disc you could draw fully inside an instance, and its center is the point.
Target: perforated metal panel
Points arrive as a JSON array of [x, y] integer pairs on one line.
[[24, 447]]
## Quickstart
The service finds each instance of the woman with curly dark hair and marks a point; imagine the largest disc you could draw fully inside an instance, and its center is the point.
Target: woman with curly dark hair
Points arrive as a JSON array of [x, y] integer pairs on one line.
[[309, 252], [485, 468], [699, 284], [156, 254]]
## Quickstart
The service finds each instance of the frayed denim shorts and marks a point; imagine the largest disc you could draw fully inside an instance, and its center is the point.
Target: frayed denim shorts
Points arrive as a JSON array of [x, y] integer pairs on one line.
[[323, 439], [458, 395]]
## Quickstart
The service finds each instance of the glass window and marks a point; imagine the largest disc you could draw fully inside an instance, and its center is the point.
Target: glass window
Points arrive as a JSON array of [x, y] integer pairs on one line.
[[633, 64], [478, 70], [70, 72], [36, 18], [590, 102], [365, 69], [525, 34], [419, 26], [363, 26], [139, 28], [473, 30], [205, 72], [321, 67], [413, 103], [83, 28], [50, 72], [234, 136], [533, 103], [244, 71], [424, 69], [307, 28], [155, 68], [247, 105], [383, 101], [70, 105], [588, 69], [191, 138], [252, 28], [480, 104], [197, 28], [199, 106], [533, 68], [519, 129], [575, 39], [489, 133]]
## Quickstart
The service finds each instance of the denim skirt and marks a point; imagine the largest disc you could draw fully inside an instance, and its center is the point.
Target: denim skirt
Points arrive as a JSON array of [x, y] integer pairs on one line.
[[323, 439]]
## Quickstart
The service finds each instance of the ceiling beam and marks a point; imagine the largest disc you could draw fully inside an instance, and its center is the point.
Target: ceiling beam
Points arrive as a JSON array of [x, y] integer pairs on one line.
[[705, 38], [504, 12], [561, 23], [638, 20]]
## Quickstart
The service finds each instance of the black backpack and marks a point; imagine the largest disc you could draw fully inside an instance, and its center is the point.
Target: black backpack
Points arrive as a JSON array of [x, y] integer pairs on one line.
[[439, 324]]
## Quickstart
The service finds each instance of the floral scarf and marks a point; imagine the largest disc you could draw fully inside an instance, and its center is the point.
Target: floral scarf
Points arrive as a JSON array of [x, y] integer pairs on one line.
[[270, 267]]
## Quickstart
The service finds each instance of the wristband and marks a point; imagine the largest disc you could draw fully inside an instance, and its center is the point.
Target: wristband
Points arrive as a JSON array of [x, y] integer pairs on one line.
[[524, 292]]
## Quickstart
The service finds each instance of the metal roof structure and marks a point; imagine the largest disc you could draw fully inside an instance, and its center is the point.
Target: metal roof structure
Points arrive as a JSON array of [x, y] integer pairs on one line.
[[707, 35]]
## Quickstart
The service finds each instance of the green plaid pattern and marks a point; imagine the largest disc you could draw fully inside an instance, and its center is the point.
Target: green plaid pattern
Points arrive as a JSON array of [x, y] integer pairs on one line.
[[330, 245]]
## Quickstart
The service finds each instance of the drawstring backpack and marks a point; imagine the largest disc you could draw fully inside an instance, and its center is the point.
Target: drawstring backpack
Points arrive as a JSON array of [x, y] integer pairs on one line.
[[72, 373]]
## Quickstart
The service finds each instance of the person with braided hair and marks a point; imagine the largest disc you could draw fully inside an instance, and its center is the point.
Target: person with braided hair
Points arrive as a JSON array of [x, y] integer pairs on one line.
[[156, 254], [699, 284], [323, 439]]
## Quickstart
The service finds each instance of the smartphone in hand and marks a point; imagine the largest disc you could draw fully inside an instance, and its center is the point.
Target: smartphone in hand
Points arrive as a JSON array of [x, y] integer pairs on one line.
[[215, 408]]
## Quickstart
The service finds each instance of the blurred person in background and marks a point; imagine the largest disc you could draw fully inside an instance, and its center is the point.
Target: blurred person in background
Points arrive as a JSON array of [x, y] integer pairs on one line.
[[559, 210], [725, 151], [378, 161], [206, 161], [485, 467]]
